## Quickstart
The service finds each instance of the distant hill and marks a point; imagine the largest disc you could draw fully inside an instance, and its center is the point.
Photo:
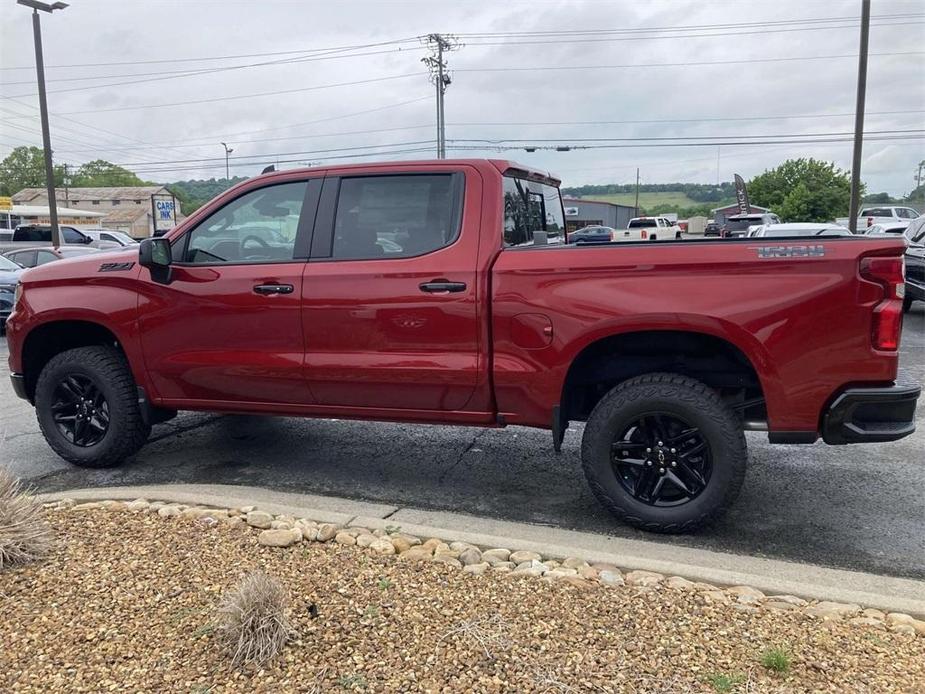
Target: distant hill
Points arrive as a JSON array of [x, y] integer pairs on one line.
[[196, 193], [685, 199]]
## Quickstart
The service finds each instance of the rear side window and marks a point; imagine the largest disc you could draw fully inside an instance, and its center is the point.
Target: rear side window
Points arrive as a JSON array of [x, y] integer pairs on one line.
[[529, 207], [33, 234], [396, 216]]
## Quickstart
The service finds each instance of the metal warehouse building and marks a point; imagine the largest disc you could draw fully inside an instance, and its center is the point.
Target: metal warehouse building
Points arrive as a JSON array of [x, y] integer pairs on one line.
[[581, 213]]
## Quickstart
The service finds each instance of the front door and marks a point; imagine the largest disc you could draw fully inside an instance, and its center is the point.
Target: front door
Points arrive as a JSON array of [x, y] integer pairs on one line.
[[227, 328], [390, 299]]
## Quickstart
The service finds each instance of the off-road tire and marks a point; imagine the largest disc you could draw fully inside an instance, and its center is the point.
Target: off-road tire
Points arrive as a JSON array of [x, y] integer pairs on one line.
[[107, 368], [672, 394], [907, 304]]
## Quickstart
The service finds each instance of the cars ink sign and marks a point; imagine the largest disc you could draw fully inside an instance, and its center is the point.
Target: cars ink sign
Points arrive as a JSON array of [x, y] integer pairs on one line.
[[163, 212], [741, 195]]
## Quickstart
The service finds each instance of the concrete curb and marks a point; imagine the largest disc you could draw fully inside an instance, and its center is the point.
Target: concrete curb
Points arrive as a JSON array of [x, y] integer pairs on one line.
[[770, 576]]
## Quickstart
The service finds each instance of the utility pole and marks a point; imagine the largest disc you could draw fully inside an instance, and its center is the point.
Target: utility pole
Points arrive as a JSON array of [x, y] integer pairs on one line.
[[67, 192], [43, 108], [228, 150], [440, 44], [637, 193], [918, 177], [859, 119]]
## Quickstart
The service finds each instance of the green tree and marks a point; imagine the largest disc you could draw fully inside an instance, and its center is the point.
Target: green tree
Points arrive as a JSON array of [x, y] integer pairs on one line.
[[24, 167], [101, 173], [803, 190]]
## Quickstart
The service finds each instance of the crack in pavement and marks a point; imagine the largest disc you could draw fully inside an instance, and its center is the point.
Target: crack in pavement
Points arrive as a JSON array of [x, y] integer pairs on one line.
[[459, 458]]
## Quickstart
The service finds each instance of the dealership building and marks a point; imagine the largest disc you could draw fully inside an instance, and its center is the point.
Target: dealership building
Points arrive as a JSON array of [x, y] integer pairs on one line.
[[134, 210], [583, 213]]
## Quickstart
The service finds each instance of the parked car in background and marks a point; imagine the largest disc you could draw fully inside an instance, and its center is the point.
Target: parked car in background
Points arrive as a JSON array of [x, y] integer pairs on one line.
[[648, 229], [799, 229], [915, 262], [737, 225], [894, 228], [33, 257], [113, 236], [592, 234], [9, 277], [32, 235], [713, 229], [878, 215]]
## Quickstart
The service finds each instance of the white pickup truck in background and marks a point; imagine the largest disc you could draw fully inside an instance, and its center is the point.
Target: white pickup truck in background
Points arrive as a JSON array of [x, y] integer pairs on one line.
[[648, 229], [883, 214]]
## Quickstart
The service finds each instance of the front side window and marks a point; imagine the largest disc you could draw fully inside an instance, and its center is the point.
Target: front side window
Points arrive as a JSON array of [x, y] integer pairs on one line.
[[396, 216], [258, 227], [529, 207], [72, 236], [915, 232]]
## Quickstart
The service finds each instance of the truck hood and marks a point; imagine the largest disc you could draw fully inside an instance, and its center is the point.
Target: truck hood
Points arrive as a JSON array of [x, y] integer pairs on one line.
[[116, 262]]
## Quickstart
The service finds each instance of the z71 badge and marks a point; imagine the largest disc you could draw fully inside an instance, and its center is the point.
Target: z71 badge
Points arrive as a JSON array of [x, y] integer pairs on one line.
[[115, 267], [790, 251]]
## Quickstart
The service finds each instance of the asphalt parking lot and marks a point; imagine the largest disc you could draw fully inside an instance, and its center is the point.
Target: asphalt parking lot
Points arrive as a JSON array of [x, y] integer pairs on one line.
[[855, 507]]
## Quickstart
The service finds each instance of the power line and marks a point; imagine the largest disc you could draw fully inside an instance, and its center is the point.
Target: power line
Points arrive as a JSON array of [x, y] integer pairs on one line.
[[532, 68], [240, 96], [687, 120], [714, 138], [410, 39]]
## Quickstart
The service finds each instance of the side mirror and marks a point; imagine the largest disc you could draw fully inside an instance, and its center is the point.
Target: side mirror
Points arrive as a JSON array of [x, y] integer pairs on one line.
[[155, 254]]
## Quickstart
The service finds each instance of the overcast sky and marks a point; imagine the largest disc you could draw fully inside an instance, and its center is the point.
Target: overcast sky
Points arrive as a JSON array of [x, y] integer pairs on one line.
[[138, 53]]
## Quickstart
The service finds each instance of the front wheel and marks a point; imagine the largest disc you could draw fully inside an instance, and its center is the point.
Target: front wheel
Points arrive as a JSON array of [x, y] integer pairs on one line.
[[664, 453], [86, 402]]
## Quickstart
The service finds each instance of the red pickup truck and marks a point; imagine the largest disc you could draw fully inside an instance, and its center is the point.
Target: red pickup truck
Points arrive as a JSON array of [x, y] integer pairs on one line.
[[424, 292]]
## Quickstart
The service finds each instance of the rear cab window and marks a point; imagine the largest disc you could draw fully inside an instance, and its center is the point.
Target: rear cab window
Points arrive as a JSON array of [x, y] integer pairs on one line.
[[529, 207], [396, 215]]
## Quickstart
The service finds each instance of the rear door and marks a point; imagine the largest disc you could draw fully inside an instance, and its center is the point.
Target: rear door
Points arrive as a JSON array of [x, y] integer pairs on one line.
[[390, 299], [227, 329]]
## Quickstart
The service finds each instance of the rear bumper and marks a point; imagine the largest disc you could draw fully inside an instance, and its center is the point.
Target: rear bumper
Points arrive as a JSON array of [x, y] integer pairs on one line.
[[870, 415]]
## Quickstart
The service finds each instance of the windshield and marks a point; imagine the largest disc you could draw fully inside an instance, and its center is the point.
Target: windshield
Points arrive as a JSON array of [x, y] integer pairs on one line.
[[530, 207], [8, 265]]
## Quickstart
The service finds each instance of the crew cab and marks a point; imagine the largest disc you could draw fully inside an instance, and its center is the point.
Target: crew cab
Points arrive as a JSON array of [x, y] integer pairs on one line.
[[648, 229], [32, 235], [466, 317], [880, 215]]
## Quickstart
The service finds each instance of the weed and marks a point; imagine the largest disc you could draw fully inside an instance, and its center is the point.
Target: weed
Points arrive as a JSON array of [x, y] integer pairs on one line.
[[371, 611], [253, 620], [25, 535], [384, 583], [777, 660], [725, 683], [352, 682], [392, 529]]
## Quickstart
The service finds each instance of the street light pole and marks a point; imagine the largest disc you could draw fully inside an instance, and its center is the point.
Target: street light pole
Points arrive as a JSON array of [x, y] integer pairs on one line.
[[43, 109], [859, 120], [228, 150]]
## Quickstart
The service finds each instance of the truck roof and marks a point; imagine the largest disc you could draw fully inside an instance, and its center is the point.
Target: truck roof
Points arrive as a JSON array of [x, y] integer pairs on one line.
[[502, 165]]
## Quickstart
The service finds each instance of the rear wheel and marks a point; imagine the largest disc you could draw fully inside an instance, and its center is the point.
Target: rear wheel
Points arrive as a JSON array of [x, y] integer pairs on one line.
[[86, 403], [907, 304], [662, 452]]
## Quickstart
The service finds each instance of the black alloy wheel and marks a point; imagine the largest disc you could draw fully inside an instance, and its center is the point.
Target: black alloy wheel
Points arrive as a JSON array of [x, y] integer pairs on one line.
[[662, 460], [80, 411]]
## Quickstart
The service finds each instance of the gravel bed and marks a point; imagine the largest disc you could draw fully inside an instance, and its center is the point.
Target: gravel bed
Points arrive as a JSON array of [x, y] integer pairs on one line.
[[125, 602]]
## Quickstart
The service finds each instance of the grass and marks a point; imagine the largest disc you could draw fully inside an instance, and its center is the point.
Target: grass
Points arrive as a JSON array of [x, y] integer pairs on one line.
[[253, 620], [722, 682], [650, 201], [24, 533], [352, 682], [776, 660]]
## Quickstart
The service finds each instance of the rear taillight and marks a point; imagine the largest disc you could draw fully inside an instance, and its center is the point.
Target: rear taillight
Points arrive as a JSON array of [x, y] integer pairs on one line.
[[887, 322]]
